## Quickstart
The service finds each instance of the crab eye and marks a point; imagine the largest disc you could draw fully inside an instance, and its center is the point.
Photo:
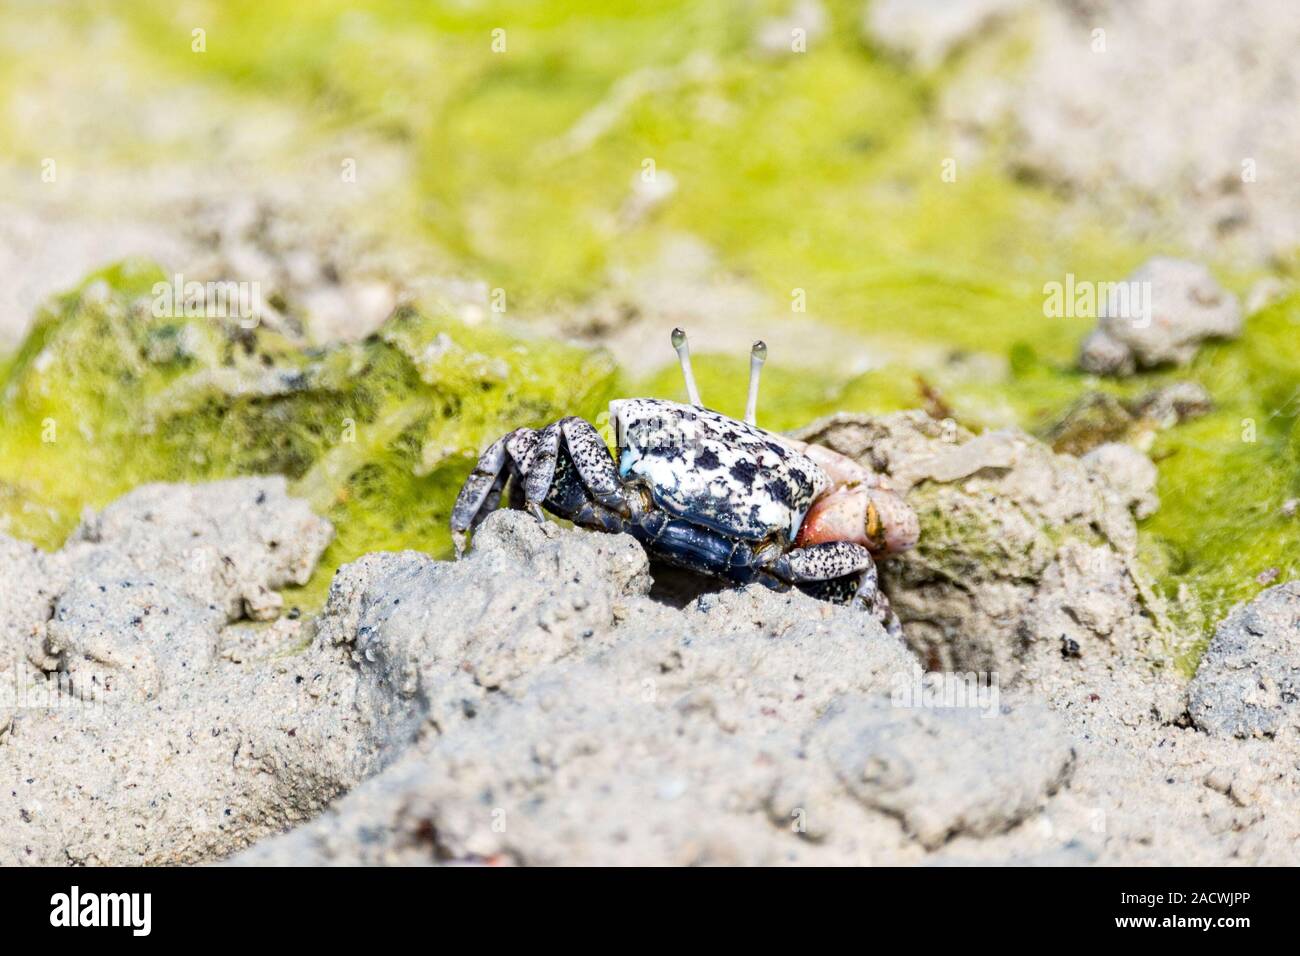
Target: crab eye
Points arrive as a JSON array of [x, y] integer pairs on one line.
[[873, 526]]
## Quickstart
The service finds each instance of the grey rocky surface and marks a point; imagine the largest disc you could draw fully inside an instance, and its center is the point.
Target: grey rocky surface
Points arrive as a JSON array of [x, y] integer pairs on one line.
[[127, 736], [536, 703], [943, 772], [1187, 307], [1023, 551], [1248, 682], [746, 727], [565, 716]]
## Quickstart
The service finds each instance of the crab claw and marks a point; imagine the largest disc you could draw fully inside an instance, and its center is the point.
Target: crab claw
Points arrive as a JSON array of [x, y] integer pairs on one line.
[[458, 539], [875, 517]]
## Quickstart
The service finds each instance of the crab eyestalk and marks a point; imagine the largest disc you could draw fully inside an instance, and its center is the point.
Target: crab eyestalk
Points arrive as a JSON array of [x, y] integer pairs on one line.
[[683, 350], [757, 356]]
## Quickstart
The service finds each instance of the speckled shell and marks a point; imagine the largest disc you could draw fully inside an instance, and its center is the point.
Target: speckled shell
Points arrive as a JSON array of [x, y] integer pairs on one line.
[[716, 471]]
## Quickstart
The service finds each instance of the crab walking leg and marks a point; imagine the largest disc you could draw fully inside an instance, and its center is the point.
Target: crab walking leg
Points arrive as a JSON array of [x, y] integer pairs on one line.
[[476, 491], [541, 471], [683, 349], [870, 598], [757, 356], [521, 444], [822, 562], [839, 559], [595, 465]]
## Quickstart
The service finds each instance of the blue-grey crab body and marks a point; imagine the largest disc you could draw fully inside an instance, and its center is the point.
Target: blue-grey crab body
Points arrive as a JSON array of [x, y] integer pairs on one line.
[[705, 492]]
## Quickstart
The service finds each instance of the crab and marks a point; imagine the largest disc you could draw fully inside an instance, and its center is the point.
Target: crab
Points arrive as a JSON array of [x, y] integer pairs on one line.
[[705, 492]]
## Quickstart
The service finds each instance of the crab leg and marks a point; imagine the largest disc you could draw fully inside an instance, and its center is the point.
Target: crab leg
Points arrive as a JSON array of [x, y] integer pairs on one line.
[[521, 444], [839, 559], [541, 472], [478, 488], [594, 463], [822, 562]]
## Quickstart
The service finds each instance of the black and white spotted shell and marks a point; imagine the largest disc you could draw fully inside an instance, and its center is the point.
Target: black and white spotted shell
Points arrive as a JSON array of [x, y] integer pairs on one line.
[[715, 471]]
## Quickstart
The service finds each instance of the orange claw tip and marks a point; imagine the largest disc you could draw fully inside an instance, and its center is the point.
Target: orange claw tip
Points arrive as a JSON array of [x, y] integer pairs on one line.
[[876, 518], [901, 528]]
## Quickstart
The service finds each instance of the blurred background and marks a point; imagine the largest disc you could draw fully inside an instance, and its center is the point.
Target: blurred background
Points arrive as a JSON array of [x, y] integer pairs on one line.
[[465, 216]]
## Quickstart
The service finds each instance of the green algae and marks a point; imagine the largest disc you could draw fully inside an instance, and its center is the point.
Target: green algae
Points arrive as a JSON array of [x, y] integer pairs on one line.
[[1221, 534], [377, 435], [821, 172]]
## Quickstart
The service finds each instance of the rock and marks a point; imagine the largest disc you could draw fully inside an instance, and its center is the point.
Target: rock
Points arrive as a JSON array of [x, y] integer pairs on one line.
[[534, 703], [31, 580], [1104, 354], [917, 765], [1248, 682], [1097, 418], [443, 635], [1186, 307], [1094, 419], [127, 740], [228, 543], [1148, 110], [153, 578], [1020, 547], [1173, 404], [609, 715], [926, 32], [1128, 473], [116, 634]]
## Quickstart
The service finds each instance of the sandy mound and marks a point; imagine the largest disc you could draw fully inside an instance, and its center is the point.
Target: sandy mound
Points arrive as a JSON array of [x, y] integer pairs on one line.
[[539, 702]]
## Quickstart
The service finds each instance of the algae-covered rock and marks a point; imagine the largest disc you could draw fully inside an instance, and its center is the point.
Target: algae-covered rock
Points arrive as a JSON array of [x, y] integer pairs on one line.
[[1098, 418], [1023, 552], [106, 394], [1092, 420]]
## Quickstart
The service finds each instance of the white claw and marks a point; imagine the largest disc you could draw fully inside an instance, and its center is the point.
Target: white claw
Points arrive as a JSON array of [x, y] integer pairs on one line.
[[757, 356], [535, 510], [684, 357], [458, 539]]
